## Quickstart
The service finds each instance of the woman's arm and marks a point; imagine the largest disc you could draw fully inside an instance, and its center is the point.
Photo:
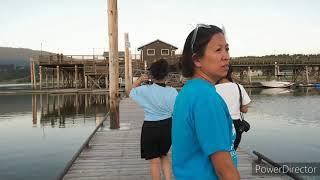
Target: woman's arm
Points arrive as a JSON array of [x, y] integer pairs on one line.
[[138, 82], [244, 108], [224, 166]]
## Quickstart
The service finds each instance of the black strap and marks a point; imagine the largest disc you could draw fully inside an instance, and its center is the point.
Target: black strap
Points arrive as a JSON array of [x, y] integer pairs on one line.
[[241, 115]]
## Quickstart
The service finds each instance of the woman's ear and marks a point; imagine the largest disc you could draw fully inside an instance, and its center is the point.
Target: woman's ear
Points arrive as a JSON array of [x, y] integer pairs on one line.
[[196, 61]]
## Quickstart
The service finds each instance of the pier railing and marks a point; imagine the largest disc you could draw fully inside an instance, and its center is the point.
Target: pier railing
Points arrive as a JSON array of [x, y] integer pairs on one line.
[[261, 158]]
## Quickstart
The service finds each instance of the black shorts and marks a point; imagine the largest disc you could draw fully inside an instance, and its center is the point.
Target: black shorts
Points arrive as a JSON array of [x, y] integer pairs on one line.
[[155, 138]]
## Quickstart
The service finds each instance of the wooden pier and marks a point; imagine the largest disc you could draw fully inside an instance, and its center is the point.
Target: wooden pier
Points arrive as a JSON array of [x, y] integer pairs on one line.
[[115, 154]]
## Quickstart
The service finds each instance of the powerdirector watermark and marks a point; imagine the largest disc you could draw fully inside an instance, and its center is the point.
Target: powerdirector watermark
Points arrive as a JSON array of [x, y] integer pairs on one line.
[[281, 169]]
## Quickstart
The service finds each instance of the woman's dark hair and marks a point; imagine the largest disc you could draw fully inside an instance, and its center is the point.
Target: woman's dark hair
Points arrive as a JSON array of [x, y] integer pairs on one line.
[[198, 47], [159, 69]]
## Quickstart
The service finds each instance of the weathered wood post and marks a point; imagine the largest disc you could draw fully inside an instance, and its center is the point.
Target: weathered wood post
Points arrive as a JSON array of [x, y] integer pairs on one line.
[[127, 63], [31, 74], [113, 63], [76, 76], [130, 69], [34, 75], [40, 77], [307, 74], [58, 77], [46, 78], [249, 75]]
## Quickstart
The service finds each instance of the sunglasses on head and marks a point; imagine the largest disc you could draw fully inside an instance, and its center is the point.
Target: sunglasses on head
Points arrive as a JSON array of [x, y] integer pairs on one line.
[[194, 36]]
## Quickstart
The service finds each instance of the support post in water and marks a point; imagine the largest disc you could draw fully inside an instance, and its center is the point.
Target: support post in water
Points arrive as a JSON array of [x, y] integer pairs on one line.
[[113, 63]]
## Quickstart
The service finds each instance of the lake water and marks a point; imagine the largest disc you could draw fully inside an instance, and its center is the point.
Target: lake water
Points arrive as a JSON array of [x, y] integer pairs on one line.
[[37, 144], [285, 126]]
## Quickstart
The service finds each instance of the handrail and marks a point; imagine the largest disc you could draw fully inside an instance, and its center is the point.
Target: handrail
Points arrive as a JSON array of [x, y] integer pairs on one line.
[[269, 161], [84, 145]]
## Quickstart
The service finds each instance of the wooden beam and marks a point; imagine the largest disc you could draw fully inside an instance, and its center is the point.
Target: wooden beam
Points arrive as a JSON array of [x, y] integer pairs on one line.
[[113, 63]]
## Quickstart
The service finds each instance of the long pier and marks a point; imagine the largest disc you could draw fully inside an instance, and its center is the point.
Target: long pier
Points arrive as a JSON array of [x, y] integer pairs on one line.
[[92, 72], [115, 154]]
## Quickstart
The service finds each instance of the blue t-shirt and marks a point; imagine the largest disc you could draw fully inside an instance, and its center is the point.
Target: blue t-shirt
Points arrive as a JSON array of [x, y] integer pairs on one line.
[[201, 126], [157, 101]]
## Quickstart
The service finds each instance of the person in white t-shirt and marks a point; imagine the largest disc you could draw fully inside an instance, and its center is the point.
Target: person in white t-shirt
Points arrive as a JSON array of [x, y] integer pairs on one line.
[[229, 91]]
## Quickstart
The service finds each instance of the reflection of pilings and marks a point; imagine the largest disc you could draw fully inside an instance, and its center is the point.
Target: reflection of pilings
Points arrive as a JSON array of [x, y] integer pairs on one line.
[[41, 106], [77, 104], [59, 113], [34, 109], [47, 104]]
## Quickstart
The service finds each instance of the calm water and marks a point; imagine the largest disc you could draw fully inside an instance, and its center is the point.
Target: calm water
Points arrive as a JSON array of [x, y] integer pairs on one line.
[[285, 127], [38, 144]]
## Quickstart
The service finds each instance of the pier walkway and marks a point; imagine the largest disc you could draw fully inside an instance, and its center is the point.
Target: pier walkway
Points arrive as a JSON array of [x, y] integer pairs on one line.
[[115, 154]]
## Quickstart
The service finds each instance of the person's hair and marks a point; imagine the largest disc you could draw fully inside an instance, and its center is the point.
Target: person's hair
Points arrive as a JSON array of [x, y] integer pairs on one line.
[[159, 69], [229, 75], [201, 40]]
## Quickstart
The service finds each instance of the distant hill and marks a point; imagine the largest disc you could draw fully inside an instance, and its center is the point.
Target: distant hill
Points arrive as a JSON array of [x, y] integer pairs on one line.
[[17, 56]]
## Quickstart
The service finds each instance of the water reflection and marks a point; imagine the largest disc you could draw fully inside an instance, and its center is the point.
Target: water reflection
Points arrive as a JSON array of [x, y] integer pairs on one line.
[[45, 130], [57, 110]]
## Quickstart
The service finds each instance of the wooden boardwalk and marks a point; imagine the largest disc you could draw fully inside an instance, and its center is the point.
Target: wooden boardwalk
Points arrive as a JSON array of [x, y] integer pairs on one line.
[[115, 154]]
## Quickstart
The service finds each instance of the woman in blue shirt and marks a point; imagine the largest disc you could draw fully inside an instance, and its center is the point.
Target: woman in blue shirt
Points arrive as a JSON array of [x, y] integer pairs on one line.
[[157, 100], [202, 129]]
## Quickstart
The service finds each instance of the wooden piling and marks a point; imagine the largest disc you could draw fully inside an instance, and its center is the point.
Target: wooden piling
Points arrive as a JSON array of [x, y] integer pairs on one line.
[[76, 76], [34, 75], [249, 75], [40, 77], [86, 82], [52, 77], [31, 73], [46, 78], [113, 63], [58, 77], [126, 64], [130, 69], [307, 74]]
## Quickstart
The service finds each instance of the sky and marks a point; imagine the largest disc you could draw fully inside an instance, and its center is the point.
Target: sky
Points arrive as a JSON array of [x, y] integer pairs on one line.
[[80, 27]]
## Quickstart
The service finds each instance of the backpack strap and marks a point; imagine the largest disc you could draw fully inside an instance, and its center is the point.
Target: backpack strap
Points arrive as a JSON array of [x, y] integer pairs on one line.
[[240, 99]]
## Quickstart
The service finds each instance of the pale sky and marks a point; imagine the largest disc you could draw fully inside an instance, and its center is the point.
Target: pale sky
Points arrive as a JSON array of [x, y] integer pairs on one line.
[[253, 27]]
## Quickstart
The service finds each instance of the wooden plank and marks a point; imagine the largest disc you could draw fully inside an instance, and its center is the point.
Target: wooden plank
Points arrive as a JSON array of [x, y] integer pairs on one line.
[[115, 154]]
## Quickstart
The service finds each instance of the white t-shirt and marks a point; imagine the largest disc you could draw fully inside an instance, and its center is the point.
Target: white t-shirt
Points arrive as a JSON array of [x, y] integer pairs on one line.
[[230, 94]]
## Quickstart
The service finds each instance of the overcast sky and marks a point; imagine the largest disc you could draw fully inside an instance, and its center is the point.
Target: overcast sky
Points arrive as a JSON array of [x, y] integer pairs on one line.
[[254, 27]]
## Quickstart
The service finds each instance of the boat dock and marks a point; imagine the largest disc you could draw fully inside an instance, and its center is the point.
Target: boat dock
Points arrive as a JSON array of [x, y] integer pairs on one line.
[[115, 154]]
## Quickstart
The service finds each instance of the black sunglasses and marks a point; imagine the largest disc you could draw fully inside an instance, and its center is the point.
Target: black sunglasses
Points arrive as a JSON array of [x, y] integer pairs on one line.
[[195, 32]]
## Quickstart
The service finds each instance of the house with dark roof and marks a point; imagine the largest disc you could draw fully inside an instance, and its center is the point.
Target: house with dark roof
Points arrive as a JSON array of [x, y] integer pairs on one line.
[[158, 49]]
